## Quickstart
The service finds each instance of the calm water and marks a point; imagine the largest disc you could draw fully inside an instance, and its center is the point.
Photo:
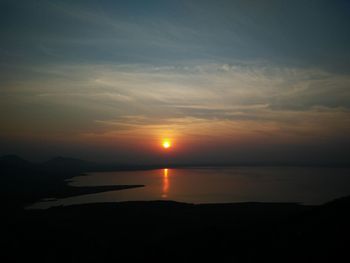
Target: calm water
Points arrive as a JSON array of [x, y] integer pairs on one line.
[[216, 185]]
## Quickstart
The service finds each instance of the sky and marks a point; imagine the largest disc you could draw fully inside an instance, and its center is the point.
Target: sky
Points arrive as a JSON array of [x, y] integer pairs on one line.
[[225, 81]]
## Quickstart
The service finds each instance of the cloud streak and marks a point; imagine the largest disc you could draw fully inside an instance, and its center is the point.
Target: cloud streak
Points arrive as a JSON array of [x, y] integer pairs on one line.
[[180, 98]]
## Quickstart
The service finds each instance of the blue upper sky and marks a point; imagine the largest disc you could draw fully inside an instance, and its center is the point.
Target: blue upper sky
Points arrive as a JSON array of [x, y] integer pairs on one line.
[[303, 33]]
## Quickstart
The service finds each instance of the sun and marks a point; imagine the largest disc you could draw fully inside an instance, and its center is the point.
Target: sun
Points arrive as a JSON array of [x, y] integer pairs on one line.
[[166, 144]]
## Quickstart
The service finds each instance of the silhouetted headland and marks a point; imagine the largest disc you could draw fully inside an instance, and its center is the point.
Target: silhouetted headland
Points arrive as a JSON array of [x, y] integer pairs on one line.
[[23, 182]]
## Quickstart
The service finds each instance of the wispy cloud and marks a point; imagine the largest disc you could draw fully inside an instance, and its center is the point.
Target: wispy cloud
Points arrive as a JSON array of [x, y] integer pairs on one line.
[[241, 100]]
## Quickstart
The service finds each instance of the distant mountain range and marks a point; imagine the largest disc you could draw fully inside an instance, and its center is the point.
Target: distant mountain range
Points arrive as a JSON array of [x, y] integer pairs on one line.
[[76, 165], [14, 161], [70, 163], [57, 163], [66, 164]]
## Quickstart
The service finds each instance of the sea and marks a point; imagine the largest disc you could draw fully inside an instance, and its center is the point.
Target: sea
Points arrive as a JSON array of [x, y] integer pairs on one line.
[[198, 185]]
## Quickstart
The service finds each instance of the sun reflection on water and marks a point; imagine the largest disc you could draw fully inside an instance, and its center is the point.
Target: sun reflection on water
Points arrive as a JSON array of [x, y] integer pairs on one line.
[[165, 183]]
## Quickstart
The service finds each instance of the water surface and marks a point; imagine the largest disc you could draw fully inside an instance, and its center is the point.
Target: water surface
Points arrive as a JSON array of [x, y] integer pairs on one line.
[[216, 185]]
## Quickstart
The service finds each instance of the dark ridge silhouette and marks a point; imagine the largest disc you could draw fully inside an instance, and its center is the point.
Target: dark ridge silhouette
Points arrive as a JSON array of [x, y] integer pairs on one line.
[[12, 159], [14, 162], [72, 164], [339, 202]]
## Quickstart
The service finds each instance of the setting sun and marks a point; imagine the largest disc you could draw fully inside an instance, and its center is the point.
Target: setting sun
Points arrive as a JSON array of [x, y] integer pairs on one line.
[[166, 144]]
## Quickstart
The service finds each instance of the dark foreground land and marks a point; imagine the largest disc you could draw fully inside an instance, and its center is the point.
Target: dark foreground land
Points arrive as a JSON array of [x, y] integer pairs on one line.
[[174, 232], [161, 231]]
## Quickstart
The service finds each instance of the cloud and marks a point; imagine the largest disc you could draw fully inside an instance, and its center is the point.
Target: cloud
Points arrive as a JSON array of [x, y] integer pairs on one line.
[[238, 101]]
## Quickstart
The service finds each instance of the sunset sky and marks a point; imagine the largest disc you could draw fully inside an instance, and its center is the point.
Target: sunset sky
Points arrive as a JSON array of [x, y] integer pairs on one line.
[[224, 81]]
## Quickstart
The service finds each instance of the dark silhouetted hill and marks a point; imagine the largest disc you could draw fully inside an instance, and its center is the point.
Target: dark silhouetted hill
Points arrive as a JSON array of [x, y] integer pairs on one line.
[[71, 164], [13, 162]]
